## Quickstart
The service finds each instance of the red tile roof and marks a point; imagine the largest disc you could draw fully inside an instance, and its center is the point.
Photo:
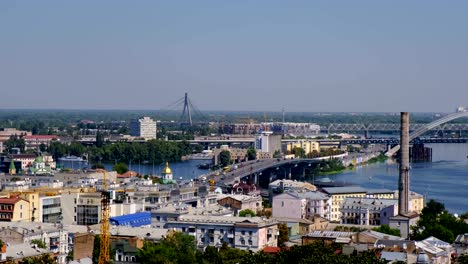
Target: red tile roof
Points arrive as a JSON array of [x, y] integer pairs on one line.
[[41, 137], [271, 250], [128, 174], [11, 200], [23, 156]]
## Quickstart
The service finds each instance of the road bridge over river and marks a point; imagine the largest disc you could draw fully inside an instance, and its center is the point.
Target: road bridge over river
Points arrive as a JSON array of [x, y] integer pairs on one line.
[[255, 168]]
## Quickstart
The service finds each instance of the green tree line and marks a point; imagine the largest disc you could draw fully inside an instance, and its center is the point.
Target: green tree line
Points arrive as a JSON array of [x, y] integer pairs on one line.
[[156, 151], [181, 248]]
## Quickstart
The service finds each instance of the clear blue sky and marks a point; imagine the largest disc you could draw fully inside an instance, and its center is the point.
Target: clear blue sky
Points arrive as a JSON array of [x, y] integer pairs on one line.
[[235, 55]]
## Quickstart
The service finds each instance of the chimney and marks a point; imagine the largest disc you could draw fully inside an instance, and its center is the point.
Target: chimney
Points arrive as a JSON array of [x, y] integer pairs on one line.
[[403, 181]]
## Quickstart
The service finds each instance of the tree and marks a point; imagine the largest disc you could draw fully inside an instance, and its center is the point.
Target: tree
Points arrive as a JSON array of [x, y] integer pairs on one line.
[[120, 168], [69, 257], [464, 216], [436, 221], [14, 142], [387, 230], [277, 154], [283, 234], [251, 154], [225, 158], [42, 147], [99, 139], [175, 248], [299, 152], [246, 212], [39, 243], [462, 259], [42, 259]]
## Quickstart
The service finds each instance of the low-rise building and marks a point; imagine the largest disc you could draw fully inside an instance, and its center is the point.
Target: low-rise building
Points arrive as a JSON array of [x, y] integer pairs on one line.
[[14, 209], [239, 202], [368, 211], [338, 194], [248, 233], [301, 205], [25, 159], [35, 141], [460, 244], [281, 186], [329, 237], [308, 146], [55, 237]]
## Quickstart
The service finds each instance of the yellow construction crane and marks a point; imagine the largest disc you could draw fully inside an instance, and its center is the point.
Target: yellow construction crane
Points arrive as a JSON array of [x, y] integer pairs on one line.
[[104, 257]]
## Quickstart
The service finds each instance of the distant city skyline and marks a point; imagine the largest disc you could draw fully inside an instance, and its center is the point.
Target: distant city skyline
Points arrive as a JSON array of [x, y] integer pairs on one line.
[[305, 56]]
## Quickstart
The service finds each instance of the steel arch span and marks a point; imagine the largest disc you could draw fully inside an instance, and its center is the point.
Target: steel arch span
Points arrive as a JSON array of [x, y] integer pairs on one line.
[[424, 129]]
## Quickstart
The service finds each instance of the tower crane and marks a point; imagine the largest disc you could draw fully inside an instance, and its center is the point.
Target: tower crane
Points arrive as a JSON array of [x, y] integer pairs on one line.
[[104, 246]]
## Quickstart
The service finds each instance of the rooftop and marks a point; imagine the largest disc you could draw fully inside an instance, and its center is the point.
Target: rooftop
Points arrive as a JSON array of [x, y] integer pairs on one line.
[[330, 234], [201, 219], [344, 190]]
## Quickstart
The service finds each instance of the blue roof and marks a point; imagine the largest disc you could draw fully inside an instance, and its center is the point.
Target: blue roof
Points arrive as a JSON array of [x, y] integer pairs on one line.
[[134, 220]]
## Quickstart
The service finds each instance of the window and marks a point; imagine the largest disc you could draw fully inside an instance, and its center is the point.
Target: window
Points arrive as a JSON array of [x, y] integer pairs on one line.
[[243, 232], [282, 203], [250, 233], [250, 242]]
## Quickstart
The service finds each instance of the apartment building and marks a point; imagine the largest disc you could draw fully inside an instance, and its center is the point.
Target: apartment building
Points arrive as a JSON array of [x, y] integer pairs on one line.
[[14, 209], [308, 146], [338, 195], [368, 211], [239, 202], [35, 141], [144, 128], [248, 233], [50, 209], [304, 205]]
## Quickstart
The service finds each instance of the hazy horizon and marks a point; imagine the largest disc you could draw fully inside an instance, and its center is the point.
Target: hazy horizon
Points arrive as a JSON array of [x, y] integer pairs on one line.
[[305, 56]]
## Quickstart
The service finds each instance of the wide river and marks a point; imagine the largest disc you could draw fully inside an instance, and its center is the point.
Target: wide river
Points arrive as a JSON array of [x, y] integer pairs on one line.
[[445, 179]]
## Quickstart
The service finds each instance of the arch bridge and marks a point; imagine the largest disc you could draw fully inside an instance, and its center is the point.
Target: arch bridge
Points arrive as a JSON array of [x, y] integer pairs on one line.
[[420, 131]]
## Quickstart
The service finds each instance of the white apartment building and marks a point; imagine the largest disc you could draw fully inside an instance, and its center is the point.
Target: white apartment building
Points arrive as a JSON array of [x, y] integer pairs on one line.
[[301, 205], [144, 127], [248, 233], [368, 211], [268, 142]]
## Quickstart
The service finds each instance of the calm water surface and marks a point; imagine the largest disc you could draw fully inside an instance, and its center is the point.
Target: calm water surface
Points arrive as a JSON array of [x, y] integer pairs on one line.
[[445, 179]]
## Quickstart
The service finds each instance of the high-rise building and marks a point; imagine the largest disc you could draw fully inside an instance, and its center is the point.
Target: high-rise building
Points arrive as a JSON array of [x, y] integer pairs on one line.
[[144, 127], [268, 142]]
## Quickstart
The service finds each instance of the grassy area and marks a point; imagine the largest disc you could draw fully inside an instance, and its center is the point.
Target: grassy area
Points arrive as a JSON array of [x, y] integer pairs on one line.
[[380, 158]]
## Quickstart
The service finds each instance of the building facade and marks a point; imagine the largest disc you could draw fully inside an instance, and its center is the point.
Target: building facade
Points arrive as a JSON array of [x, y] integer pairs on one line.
[[50, 209], [35, 141], [368, 211], [338, 195], [144, 127], [14, 209], [248, 233], [268, 142], [306, 205], [308, 146]]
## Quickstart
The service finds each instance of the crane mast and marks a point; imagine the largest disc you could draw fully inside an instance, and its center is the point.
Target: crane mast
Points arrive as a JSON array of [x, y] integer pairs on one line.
[[104, 246]]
